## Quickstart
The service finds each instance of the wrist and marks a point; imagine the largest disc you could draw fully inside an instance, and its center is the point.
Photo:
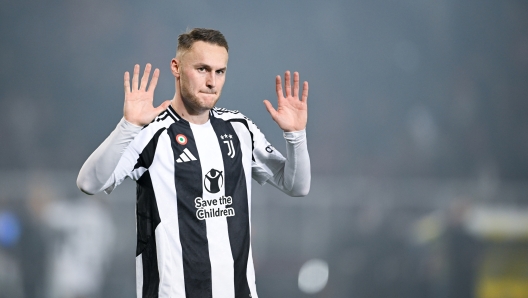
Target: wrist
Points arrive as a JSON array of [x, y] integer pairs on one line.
[[130, 125], [291, 135]]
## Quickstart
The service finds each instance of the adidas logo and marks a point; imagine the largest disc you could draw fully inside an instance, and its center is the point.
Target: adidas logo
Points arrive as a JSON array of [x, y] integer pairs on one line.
[[186, 156]]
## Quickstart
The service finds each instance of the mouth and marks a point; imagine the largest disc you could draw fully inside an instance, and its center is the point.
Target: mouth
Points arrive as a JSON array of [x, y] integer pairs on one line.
[[208, 91]]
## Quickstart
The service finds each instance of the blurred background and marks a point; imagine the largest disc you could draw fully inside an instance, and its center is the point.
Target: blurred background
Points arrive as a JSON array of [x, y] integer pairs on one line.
[[418, 137]]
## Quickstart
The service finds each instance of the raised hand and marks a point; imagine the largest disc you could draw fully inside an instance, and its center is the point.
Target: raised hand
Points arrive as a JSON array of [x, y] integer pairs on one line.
[[291, 113], [138, 108]]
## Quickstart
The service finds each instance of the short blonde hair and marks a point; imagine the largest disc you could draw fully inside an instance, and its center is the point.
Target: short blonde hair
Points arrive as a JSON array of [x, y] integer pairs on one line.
[[186, 40]]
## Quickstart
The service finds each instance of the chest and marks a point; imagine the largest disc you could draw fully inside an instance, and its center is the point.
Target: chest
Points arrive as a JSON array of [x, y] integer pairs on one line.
[[203, 158]]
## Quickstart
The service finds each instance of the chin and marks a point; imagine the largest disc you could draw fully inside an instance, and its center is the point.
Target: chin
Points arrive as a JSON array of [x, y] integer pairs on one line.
[[209, 102]]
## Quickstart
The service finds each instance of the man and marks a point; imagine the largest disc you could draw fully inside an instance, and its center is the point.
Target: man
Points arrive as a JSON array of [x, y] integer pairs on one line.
[[193, 165]]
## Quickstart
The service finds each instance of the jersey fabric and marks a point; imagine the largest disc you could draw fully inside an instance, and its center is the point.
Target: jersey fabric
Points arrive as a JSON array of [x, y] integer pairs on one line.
[[193, 203]]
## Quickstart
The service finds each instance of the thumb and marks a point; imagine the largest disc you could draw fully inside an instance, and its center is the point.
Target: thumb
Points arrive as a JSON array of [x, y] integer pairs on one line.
[[162, 107], [270, 108]]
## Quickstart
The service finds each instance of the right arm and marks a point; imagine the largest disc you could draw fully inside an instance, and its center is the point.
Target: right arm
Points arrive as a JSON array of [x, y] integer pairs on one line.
[[97, 173]]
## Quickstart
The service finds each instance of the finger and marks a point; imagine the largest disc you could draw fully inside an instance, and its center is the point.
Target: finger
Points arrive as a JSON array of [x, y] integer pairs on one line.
[[144, 79], [154, 80], [296, 84], [278, 87], [305, 92], [127, 82], [135, 78], [270, 108], [287, 83]]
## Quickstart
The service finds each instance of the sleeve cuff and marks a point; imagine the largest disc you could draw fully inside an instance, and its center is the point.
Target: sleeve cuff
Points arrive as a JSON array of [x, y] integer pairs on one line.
[[127, 126], [294, 136]]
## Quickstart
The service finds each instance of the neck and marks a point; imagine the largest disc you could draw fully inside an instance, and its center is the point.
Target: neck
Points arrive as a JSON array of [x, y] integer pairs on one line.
[[187, 113]]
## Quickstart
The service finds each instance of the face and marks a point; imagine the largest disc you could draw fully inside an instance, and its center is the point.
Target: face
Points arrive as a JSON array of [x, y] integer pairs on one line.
[[200, 75]]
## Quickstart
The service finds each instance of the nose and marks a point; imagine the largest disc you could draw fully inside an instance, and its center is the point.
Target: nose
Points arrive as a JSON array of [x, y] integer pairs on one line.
[[210, 80]]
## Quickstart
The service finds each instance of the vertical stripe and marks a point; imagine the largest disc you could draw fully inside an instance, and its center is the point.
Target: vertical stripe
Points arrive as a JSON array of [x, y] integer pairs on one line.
[[139, 277], [245, 123], [193, 237], [246, 140], [147, 155], [213, 177], [169, 250], [147, 217], [251, 274], [147, 220], [235, 187]]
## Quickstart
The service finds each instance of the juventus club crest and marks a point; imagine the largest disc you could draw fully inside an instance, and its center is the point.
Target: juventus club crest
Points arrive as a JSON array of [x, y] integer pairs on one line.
[[228, 140], [213, 181]]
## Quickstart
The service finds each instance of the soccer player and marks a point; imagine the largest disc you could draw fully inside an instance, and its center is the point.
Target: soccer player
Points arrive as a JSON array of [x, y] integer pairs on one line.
[[193, 164]]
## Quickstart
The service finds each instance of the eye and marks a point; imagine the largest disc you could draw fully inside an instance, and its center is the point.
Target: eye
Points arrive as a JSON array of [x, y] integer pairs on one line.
[[222, 71], [201, 69]]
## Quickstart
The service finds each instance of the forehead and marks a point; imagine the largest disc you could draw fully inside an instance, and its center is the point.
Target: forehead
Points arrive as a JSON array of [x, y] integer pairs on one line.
[[206, 53]]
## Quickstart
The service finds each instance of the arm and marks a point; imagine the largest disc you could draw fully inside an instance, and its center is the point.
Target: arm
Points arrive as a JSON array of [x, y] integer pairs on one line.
[[294, 176], [97, 172]]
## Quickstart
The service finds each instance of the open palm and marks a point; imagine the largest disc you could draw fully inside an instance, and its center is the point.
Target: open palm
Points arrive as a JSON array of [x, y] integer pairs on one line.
[[291, 113], [138, 108]]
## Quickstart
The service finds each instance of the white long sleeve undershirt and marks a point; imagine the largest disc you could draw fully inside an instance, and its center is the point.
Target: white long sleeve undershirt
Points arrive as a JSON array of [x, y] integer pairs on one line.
[[97, 173], [98, 170]]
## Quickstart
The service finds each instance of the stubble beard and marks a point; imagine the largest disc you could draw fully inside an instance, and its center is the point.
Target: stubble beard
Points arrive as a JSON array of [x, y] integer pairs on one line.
[[193, 104]]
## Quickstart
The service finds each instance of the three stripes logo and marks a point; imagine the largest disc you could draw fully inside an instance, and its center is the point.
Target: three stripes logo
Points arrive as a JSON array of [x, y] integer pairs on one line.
[[186, 156], [228, 140]]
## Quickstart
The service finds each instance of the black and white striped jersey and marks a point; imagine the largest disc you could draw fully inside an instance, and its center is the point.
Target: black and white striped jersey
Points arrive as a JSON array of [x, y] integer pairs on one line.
[[193, 203]]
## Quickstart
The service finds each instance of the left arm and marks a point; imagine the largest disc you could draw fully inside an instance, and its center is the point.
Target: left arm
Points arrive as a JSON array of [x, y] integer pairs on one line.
[[294, 176]]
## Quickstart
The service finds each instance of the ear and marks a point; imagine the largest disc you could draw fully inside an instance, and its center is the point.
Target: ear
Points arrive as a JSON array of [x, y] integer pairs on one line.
[[176, 67]]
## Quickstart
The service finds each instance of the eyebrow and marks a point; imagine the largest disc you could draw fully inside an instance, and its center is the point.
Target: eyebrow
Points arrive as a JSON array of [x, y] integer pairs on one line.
[[208, 67]]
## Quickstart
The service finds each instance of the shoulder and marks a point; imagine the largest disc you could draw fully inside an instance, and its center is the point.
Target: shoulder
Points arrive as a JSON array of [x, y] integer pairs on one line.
[[158, 124], [230, 115], [225, 114], [165, 118], [233, 116], [239, 121]]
